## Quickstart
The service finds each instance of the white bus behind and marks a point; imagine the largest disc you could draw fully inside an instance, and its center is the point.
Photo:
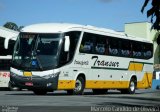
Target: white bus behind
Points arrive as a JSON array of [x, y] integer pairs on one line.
[[7, 41]]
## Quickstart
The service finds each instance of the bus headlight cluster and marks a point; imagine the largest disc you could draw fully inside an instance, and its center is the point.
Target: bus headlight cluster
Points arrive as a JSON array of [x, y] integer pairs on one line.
[[51, 75]]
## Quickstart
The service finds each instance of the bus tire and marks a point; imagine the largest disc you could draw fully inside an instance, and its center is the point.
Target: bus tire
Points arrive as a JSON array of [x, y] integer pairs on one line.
[[99, 91], [12, 88], [132, 87], [79, 87], [40, 92]]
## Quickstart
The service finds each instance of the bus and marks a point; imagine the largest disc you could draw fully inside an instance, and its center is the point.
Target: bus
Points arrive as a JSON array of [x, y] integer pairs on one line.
[[72, 57], [7, 41]]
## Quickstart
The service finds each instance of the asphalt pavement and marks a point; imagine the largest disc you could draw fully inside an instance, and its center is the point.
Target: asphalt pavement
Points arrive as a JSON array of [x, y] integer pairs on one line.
[[24, 101]]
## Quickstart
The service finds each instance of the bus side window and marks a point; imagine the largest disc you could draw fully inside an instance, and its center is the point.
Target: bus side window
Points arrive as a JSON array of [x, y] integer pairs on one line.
[[100, 45], [125, 48], [147, 50], [137, 49], [86, 44], [100, 48], [113, 46], [74, 38], [106, 46]]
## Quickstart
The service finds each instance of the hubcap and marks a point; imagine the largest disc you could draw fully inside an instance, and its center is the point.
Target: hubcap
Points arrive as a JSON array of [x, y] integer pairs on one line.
[[78, 85], [132, 86]]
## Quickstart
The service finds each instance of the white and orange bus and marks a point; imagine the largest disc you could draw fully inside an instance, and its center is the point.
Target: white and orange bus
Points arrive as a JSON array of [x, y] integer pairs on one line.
[[61, 56]]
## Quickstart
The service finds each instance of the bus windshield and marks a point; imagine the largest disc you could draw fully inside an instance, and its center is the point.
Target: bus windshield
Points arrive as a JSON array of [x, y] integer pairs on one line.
[[36, 51]]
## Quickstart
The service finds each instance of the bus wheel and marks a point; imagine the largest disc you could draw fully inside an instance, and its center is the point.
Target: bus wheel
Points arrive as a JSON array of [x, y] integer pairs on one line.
[[132, 86], [12, 88], [99, 91], [40, 92], [131, 89], [79, 87]]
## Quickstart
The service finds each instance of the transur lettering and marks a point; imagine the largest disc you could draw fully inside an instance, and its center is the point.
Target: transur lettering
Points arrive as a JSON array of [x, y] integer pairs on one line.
[[104, 63]]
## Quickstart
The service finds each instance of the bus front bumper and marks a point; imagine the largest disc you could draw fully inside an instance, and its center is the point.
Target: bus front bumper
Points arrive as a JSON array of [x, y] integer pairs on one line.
[[34, 82]]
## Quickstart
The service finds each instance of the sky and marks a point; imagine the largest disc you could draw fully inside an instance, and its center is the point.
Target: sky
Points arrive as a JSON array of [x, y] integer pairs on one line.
[[111, 14]]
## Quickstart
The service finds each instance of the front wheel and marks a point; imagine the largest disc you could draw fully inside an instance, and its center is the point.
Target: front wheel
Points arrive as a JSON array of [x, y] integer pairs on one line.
[[79, 87], [12, 88]]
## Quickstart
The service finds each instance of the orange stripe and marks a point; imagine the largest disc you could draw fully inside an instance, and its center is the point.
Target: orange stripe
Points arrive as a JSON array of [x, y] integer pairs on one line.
[[66, 84], [135, 67], [105, 84], [146, 81]]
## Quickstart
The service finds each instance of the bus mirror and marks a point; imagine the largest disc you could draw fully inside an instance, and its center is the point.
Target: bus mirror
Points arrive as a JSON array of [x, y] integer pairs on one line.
[[6, 43], [66, 44]]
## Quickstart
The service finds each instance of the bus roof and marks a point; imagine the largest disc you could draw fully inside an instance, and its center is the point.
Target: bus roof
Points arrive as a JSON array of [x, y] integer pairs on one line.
[[64, 27], [50, 27], [61, 27]]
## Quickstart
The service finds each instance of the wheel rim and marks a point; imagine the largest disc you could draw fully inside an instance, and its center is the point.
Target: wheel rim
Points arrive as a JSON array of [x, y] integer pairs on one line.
[[78, 85], [132, 86]]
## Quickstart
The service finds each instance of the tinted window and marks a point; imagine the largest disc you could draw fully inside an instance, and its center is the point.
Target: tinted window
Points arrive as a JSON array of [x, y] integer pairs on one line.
[[106, 45], [125, 48], [147, 50], [93, 43], [87, 43]]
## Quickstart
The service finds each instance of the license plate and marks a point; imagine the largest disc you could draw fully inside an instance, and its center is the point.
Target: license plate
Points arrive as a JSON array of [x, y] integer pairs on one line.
[[27, 74], [29, 84]]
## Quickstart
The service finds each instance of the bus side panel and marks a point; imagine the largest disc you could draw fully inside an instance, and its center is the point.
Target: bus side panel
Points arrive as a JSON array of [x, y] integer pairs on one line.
[[108, 79], [144, 76], [66, 84], [90, 84], [66, 80], [146, 82]]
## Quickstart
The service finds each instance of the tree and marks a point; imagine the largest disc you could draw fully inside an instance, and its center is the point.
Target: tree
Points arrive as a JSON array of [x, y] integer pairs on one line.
[[12, 26], [154, 13]]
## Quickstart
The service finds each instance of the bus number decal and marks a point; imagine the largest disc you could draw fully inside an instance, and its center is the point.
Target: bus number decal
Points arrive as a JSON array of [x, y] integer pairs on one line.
[[104, 63]]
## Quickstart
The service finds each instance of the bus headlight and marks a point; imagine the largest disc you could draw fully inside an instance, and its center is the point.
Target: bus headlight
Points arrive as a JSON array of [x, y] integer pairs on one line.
[[51, 75]]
